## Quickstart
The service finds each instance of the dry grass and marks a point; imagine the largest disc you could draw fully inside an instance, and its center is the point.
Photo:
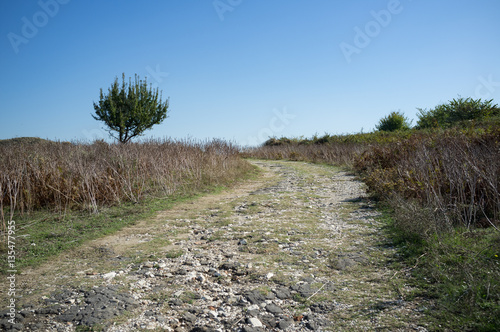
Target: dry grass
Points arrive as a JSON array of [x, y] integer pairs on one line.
[[61, 176], [333, 153], [455, 174]]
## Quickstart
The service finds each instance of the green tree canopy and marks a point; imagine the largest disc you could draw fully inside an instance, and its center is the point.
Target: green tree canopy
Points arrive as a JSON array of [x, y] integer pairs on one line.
[[130, 109], [456, 112], [394, 121]]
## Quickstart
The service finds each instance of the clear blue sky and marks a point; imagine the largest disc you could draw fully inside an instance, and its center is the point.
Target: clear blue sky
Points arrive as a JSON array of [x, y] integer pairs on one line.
[[243, 70]]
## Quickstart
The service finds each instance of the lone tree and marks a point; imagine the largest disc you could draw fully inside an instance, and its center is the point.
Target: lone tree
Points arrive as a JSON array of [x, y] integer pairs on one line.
[[130, 109], [394, 121]]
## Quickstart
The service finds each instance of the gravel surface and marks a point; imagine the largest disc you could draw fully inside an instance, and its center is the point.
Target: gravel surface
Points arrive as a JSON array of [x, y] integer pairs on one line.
[[298, 249]]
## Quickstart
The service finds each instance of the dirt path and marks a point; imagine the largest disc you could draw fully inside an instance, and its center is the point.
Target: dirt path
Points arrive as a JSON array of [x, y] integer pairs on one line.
[[298, 249]]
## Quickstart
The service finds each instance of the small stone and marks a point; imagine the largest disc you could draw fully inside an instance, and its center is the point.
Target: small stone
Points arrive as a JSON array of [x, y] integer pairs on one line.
[[274, 309], [253, 307], [189, 317], [255, 297], [253, 313], [312, 326], [176, 302], [283, 293], [181, 272], [268, 321], [229, 266], [251, 329], [191, 276], [254, 322], [269, 275], [284, 324], [242, 242]]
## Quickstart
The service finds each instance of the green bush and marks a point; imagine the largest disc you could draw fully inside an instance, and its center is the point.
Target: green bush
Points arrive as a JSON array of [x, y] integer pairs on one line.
[[458, 112], [394, 121]]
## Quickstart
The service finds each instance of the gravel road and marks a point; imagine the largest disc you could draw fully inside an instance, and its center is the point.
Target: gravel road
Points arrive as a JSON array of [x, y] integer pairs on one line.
[[297, 249]]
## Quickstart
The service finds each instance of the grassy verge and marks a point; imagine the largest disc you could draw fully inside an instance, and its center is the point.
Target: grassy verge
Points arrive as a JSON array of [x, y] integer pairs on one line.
[[45, 230], [459, 269], [44, 234]]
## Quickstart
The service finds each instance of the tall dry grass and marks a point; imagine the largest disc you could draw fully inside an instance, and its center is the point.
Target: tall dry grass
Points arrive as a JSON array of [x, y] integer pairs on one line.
[[455, 174], [333, 153], [87, 176]]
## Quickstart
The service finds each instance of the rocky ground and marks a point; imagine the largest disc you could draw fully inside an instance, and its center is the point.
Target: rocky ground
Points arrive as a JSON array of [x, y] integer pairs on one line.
[[298, 249]]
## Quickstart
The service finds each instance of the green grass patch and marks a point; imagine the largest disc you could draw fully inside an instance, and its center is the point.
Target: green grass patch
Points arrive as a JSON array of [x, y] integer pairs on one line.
[[459, 269], [43, 234]]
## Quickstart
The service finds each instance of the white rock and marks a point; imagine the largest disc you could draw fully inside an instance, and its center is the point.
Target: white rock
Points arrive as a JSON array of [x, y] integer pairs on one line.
[[109, 275], [269, 275], [142, 283], [190, 276], [255, 322], [253, 307]]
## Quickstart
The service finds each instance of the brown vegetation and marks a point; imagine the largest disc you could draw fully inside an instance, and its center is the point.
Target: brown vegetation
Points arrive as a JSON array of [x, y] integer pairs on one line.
[[442, 188], [456, 174], [58, 176]]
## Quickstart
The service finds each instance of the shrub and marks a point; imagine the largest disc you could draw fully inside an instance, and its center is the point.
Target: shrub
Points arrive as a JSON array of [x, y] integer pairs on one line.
[[394, 121], [453, 173], [457, 112]]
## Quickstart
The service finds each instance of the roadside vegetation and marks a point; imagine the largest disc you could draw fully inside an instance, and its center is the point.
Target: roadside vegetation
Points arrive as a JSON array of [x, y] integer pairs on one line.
[[440, 185], [60, 194], [438, 181]]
